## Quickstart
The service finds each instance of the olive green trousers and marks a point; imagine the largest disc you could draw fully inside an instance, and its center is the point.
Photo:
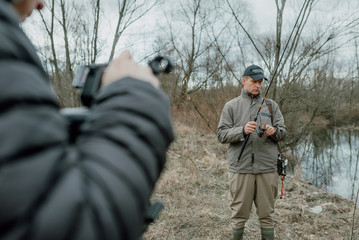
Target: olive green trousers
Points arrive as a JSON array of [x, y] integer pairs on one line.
[[246, 189]]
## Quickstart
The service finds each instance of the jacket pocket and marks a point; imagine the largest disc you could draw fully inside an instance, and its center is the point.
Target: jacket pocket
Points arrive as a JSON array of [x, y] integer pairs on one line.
[[265, 119]]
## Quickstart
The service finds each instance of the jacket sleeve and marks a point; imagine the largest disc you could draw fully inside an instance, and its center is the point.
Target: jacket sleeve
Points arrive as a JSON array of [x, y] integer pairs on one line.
[[278, 123], [95, 188], [227, 132]]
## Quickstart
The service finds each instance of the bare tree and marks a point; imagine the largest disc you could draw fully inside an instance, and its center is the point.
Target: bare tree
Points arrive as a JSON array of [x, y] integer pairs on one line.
[[129, 11], [49, 27], [75, 36], [65, 25], [192, 34]]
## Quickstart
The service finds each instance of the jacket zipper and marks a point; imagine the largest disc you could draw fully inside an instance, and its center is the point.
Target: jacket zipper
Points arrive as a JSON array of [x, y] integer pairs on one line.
[[252, 163]]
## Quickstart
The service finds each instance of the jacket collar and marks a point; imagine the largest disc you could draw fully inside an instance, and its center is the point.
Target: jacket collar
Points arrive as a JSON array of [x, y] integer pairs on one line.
[[247, 95]]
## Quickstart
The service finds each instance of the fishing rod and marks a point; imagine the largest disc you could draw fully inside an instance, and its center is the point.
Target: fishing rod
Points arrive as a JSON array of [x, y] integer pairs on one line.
[[271, 81]]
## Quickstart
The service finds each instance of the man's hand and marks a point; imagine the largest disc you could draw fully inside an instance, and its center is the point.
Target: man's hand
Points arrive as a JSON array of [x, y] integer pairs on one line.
[[124, 66], [270, 130], [250, 127]]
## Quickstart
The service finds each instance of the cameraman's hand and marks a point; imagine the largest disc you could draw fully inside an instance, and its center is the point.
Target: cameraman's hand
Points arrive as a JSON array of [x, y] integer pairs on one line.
[[124, 66]]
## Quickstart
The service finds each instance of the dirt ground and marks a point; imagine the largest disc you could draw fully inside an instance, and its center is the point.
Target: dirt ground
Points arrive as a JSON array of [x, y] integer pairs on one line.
[[194, 191]]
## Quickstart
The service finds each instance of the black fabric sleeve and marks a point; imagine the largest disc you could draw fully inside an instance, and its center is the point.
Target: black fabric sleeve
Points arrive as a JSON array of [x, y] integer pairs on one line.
[[95, 188]]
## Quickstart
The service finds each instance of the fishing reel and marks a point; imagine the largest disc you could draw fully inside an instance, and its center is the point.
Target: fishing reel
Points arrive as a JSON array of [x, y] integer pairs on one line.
[[282, 163], [262, 130]]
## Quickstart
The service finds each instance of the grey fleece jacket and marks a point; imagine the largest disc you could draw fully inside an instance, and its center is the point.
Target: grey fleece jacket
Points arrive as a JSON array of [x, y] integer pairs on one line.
[[260, 154]]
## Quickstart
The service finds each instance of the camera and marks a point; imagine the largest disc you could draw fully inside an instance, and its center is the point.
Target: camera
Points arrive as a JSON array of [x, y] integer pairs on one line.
[[88, 77]]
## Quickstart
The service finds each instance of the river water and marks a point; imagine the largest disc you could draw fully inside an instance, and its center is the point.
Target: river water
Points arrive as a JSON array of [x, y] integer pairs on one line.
[[330, 160]]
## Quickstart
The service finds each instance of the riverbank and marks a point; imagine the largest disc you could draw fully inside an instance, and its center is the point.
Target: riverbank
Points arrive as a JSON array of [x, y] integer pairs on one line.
[[194, 190], [350, 127]]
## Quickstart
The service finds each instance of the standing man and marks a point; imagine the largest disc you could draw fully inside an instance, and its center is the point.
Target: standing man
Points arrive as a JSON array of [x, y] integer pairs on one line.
[[95, 188], [254, 177]]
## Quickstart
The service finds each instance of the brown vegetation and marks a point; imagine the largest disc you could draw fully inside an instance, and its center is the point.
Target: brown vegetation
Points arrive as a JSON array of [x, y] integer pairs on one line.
[[194, 191]]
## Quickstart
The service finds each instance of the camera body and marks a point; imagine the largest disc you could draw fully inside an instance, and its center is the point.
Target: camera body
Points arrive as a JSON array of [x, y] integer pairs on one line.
[[88, 77]]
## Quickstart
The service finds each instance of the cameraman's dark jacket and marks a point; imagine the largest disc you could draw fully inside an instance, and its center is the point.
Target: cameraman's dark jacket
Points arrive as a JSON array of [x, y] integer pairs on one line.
[[96, 188]]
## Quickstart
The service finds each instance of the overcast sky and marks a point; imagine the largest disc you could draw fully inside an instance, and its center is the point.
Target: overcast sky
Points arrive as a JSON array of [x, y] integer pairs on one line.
[[263, 12]]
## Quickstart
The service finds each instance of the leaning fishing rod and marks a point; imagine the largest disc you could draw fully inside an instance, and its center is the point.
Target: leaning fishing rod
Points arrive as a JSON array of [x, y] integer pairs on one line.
[[271, 81]]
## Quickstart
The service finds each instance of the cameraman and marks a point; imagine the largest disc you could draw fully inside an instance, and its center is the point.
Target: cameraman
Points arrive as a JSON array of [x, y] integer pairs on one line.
[[95, 188]]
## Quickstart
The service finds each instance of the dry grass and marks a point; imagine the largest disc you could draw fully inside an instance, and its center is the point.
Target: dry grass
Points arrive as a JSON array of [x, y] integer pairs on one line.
[[193, 188]]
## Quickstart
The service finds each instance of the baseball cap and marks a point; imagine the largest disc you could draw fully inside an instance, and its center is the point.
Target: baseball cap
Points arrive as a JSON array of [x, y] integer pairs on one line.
[[255, 72]]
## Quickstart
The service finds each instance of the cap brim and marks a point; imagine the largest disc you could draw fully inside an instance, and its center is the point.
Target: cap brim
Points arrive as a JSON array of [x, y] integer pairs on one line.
[[258, 77]]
